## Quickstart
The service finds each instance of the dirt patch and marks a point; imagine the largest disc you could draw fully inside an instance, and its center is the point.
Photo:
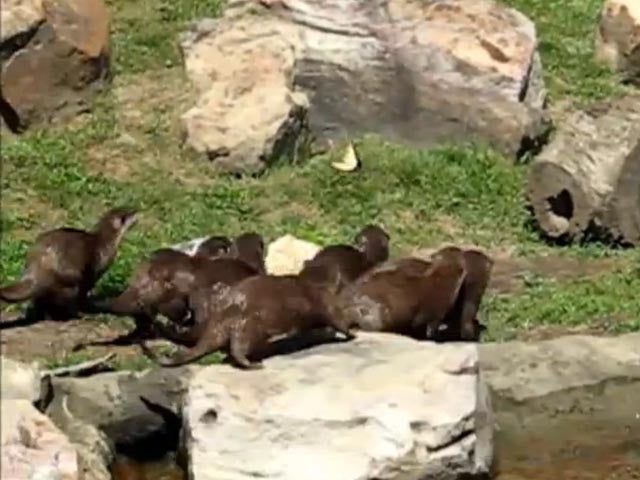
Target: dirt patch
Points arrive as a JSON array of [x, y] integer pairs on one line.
[[510, 275], [51, 342]]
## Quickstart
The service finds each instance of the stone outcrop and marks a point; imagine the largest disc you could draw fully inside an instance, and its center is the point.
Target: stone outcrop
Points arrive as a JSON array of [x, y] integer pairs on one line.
[[381, 406], [587, 179], [561, 371], [415, 72], [54, 57], [618, 37], [32, 446]]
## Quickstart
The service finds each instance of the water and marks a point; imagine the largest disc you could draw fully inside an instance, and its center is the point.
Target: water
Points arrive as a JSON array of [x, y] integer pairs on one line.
[[127, 469], [594, 446]]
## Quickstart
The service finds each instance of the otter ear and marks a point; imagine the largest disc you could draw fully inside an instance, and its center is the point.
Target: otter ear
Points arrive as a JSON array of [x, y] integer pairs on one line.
[[117, 222]]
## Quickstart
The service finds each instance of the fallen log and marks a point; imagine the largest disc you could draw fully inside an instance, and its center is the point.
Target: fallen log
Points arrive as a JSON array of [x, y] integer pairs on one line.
[[587, 180]]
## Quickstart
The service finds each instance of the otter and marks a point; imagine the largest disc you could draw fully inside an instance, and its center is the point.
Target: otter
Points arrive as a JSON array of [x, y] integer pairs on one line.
[[64, 264], [372, 248], [245, 319], [407, 296], [417, 297], [249, 247], [461, 321], [214, 246], [163, 284]]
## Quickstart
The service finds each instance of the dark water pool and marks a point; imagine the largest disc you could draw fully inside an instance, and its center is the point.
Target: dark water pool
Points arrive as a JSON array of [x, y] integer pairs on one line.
[[166, 469], [571, 447]]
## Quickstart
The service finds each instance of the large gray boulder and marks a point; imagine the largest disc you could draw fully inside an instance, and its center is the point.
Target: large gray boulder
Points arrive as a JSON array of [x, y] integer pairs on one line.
[[381, 406], [416, 72]]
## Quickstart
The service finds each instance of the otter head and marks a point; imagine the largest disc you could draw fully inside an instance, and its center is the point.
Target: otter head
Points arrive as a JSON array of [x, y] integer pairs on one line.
[[373, 241], [109, 230], [214, 246], [117, 221], [249, 247]]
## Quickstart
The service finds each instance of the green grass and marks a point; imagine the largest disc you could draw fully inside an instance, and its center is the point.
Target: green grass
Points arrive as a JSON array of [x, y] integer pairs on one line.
[[566, 31], [465, 193], [609, 303], [144, 33]]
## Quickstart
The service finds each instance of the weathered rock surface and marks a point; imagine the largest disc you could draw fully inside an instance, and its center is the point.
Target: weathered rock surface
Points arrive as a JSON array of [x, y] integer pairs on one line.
[[416, 72], [19, 381], [618, 37], [587, 180], [112, 400], [521, 372], [32, 447], [382, 406], [286, 255], [54, 57]]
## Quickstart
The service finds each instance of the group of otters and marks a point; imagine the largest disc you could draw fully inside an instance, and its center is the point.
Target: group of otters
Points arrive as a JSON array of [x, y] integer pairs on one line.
[[221, 297]]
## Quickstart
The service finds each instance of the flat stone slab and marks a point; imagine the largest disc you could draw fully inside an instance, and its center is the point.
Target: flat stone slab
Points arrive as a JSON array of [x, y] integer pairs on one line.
[[381, 406], [522, 371]]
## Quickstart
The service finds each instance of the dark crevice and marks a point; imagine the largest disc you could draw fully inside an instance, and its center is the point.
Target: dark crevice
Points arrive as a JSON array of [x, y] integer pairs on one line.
[[10, 116], [561, 205], [531, 146], [18, 42], [146, 438]]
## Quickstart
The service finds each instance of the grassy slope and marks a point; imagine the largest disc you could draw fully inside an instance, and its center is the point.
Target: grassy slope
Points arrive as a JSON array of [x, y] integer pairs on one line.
[[127, 151]]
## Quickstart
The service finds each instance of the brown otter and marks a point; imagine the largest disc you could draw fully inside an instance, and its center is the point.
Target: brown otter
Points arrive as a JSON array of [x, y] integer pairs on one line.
[[64, 264], [407, 296], [214, 246], [462, 321], [163, 284], [416, 297], [249, 247], [372, 248], [248, 316]]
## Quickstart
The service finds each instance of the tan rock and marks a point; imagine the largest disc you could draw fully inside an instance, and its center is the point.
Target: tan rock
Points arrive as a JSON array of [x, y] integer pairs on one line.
[[19, 381], [416, 72], [618, 37], [32, 446], [287, 254], [56, 57]]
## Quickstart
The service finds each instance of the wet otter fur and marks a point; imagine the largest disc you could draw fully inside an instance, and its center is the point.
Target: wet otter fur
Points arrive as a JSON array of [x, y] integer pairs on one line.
[[246, 318], [63, 265], [418, 297], [163, 284], [371, 248], [461, 321], [410, 297]]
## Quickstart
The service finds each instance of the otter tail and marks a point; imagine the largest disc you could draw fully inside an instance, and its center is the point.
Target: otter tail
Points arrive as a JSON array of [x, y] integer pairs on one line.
[[19, 291]]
